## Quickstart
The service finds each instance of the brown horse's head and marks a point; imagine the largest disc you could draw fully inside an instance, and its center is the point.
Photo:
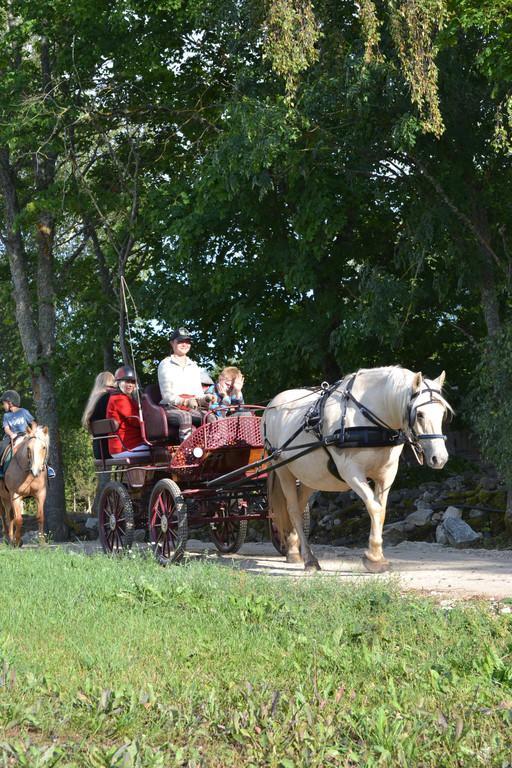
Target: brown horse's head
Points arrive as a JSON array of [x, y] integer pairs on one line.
[[37, 445]]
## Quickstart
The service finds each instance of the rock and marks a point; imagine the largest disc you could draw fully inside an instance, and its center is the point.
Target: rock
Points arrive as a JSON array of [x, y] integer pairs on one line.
[[441, 536], [92, 522], [437, 517], [476, 514], [31, 537], [394, 497], [459, 533], [455, 483], [488, 483], [418, 519], [394, 533], [452, 512], [326, 522]]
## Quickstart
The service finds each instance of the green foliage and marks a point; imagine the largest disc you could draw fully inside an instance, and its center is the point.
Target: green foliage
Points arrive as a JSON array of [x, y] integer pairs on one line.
[[291, 37], [78, 469], [358, 218]]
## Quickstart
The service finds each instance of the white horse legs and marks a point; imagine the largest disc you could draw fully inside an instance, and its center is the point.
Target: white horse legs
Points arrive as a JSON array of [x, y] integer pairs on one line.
[[296, 500], [375, 502]]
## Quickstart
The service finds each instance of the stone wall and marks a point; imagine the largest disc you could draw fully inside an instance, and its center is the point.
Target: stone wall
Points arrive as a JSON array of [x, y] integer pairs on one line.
[[420, 513]]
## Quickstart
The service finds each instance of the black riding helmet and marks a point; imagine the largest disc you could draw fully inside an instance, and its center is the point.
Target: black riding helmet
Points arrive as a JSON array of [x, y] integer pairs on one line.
[[125, 373], [11, 396]]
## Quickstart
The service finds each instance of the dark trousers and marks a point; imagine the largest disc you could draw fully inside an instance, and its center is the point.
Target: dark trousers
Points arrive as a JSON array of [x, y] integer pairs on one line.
[[186, 420]]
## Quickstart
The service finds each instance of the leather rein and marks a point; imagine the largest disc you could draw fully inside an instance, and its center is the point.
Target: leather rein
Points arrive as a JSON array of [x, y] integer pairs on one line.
[[378, 435]]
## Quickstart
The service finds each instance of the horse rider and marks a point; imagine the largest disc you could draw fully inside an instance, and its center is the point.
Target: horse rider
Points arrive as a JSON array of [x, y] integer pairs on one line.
[[180, 385], [16, 422]]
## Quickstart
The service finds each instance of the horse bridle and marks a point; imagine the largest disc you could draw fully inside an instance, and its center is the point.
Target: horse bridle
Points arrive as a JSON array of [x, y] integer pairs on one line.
[[33, 437], [412, 410]]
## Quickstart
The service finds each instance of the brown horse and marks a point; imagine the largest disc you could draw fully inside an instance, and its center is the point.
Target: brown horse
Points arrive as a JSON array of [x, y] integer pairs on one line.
[[25, 476]]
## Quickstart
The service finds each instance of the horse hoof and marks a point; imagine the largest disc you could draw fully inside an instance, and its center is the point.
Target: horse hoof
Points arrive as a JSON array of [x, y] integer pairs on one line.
[[313, 565], [293, 557], [376, 567]]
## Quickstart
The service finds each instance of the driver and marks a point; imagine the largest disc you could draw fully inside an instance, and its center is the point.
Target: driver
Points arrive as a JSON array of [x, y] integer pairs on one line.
[[179, 379]]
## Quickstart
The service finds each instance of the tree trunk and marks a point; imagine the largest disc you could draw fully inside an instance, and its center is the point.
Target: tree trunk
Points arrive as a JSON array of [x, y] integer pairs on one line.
[[46, 404], [37, 341]]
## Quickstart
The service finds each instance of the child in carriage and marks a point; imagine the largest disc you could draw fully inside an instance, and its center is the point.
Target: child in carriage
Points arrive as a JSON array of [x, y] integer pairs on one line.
[[227, 392]]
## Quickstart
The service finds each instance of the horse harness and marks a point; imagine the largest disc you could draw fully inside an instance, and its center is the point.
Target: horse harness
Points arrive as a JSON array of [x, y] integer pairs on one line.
[[379, 435]]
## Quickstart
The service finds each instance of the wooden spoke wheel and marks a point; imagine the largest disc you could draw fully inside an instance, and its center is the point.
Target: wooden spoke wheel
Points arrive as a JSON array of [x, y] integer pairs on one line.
[[275, 537], [115, 518], [227, 534], [167, 524]]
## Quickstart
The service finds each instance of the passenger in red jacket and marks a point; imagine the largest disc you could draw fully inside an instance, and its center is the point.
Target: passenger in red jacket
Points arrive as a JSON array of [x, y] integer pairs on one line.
[[122, 406]]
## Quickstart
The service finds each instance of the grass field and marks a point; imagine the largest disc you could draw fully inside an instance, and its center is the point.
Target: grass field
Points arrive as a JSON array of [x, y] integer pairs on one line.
[[127, 665]]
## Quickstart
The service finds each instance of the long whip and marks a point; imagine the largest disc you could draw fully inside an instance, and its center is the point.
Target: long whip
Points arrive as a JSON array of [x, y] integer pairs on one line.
[[125, 290]]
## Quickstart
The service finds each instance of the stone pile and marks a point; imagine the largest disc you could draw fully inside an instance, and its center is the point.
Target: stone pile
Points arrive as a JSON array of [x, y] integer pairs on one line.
[[461, 510]]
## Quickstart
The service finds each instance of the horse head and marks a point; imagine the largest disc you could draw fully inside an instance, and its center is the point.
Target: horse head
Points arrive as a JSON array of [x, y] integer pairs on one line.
[[37, 446], [427, 412]]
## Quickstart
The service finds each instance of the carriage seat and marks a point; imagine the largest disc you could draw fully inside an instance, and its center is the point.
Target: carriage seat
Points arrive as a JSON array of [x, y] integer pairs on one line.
[[101, 430], [104, 427], [161, 425]]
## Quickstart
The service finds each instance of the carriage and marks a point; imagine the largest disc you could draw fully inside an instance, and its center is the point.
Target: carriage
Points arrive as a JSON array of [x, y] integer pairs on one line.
[[325, 438], [179, 487]]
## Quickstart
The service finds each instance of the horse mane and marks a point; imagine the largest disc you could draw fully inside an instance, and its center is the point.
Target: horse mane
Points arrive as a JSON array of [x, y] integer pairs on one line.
[[42, 433], [400, 383]]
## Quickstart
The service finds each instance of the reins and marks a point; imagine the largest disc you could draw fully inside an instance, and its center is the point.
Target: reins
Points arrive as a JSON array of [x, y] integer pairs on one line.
[[380, 434]]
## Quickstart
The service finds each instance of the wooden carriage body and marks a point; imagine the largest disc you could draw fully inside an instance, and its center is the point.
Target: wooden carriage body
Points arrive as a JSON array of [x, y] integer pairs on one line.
[[173, 490]]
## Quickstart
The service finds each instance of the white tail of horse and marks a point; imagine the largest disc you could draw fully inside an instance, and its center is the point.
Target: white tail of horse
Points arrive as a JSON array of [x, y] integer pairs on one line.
[[278, 507]]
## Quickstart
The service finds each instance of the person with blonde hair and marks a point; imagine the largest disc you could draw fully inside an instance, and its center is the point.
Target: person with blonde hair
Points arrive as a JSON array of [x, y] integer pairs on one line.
[[227, 392], [96, 408]]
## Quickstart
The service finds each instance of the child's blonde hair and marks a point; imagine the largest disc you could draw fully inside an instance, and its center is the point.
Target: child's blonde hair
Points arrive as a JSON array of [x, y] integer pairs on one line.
[[230, 372]]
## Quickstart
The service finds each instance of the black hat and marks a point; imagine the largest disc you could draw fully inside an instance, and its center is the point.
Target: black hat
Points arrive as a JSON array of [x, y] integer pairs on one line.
[[11, 396], [125, 373], [180, 334]]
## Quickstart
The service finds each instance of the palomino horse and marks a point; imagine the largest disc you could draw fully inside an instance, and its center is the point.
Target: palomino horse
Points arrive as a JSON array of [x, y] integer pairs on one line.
[[390, 405], [25, 476]]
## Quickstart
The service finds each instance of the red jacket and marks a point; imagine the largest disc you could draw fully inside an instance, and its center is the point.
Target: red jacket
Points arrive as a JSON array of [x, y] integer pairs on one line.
[[124, 409]]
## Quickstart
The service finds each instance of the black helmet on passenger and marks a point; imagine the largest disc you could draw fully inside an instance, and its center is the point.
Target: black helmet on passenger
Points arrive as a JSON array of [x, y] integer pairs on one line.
[[11, 396], [125, 373]]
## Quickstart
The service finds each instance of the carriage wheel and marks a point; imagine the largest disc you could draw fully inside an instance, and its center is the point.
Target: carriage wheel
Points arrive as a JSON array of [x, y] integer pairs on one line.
[[228, 535], [115, 518], [168, 526], [274, 533]]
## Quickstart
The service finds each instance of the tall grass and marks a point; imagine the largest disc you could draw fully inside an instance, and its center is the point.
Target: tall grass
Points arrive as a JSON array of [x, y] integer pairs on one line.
[[124, 664]]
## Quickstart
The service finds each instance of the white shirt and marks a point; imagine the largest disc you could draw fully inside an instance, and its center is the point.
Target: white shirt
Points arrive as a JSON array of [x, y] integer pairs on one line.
[[176, 380]]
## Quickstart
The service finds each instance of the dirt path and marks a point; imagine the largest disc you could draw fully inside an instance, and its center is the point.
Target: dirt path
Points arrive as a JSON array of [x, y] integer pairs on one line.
[[431, 568], [418, 566]]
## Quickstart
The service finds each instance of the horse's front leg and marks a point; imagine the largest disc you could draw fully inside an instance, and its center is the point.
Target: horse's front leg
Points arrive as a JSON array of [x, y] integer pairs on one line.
[[40, 500], [296, 500], [5, 513], [16, 521], [375, 502]]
